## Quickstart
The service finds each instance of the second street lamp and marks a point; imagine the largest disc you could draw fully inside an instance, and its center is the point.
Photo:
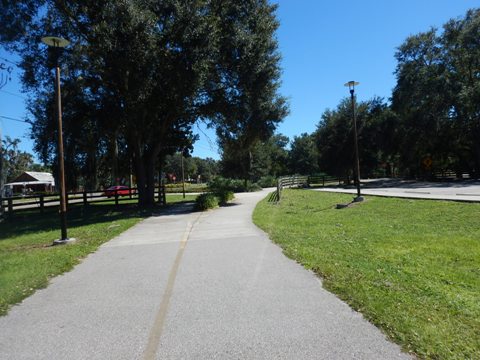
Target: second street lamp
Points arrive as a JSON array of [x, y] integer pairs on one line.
[[57, 43], [351, 86]]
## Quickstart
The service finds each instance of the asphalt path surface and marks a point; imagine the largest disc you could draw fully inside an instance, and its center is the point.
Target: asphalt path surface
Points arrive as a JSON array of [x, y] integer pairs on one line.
[[468, 191], [188, 285]]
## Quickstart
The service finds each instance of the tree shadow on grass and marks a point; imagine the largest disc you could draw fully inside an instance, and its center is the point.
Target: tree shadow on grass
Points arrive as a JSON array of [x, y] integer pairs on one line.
[[30, 221]]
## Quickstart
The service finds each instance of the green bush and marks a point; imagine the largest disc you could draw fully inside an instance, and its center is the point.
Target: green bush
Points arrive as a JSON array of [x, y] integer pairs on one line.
[[206, 201], [219, 184], [236, 185], [251, 187], [224, 196], [267, 181]]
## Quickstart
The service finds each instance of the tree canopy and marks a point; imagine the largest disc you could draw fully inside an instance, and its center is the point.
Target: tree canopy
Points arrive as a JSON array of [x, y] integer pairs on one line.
[[247, 107], [437, 97], [432, 117], [139, 73], [13, 161]]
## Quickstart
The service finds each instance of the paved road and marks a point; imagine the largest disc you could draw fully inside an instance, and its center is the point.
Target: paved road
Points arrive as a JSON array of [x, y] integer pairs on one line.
[[190, 286], [455, 190]]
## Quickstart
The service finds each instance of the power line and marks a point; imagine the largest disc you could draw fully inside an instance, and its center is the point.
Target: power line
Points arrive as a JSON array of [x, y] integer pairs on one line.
[[205, 147], [13, 94], [9, 61], [13, 119], [210, 142]]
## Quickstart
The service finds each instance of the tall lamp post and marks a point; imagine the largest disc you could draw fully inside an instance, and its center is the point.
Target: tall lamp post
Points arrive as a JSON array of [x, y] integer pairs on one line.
[[57, 43], [351, 86], [5, 77]]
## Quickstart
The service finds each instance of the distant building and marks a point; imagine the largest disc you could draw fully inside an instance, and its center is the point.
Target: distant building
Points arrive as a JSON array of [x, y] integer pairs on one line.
[[30, 182]]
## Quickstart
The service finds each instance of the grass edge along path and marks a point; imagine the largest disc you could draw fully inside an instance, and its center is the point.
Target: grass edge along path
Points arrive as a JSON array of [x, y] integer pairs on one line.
[[411, 267], [27, 259]]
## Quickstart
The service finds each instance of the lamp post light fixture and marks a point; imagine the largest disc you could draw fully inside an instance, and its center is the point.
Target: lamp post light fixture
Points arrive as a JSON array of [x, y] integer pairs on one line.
[[351, 86], [58, 43]]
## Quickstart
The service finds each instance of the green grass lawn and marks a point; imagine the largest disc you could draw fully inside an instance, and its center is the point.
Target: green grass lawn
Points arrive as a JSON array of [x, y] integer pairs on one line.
[[27, 259], [412, 267]]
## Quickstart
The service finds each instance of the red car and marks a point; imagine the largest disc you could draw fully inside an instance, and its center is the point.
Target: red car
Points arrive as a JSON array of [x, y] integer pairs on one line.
[[120, 190]]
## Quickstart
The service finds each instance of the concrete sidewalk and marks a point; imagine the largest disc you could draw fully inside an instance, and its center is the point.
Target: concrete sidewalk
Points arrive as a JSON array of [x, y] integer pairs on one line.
[[468, 191], [190, 286]]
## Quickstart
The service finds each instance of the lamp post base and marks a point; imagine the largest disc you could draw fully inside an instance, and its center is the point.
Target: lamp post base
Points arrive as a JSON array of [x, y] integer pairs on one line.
[[358, 199], [64, 241]]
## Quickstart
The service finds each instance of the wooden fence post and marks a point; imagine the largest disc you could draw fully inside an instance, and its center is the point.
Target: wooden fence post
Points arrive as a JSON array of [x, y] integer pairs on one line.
[[85, 200], [161, 195], [116, 197], [279, 188], [41, 204], [10, 207]]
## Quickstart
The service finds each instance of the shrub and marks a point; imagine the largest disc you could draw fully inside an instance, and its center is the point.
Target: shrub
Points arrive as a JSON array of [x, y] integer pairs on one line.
[[206, 201], [236, 185], [267, 181], [251, 187], [224, 196], [219, 184]]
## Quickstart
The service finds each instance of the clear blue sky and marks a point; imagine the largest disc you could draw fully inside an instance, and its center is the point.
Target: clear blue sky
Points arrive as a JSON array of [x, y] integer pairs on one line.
[[324, 44]]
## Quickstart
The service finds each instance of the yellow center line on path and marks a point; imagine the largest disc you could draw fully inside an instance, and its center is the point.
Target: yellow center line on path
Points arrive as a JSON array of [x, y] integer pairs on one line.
[[157, 328]]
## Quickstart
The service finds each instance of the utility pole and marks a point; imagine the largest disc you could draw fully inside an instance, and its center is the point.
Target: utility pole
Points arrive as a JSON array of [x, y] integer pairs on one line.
[[5, 77], [183, 174]]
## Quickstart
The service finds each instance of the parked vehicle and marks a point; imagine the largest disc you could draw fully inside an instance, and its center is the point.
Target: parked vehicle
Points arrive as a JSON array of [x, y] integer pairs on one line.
[[119, 189]]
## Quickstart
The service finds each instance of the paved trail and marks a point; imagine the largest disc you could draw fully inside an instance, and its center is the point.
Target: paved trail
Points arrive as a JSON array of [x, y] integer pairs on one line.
[[467, 191], [190, 286]]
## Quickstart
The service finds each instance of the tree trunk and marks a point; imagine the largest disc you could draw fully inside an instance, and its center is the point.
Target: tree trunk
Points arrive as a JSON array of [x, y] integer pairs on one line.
[[161, 162], [145, 171], [141, 174], [114, 155], [91, 181], [150, 185], [160, 199], [476, 152], [248, 168]]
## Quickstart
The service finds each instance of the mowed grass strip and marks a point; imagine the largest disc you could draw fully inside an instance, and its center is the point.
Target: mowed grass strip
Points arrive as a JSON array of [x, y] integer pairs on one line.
[[412, 267], [27, 259]]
